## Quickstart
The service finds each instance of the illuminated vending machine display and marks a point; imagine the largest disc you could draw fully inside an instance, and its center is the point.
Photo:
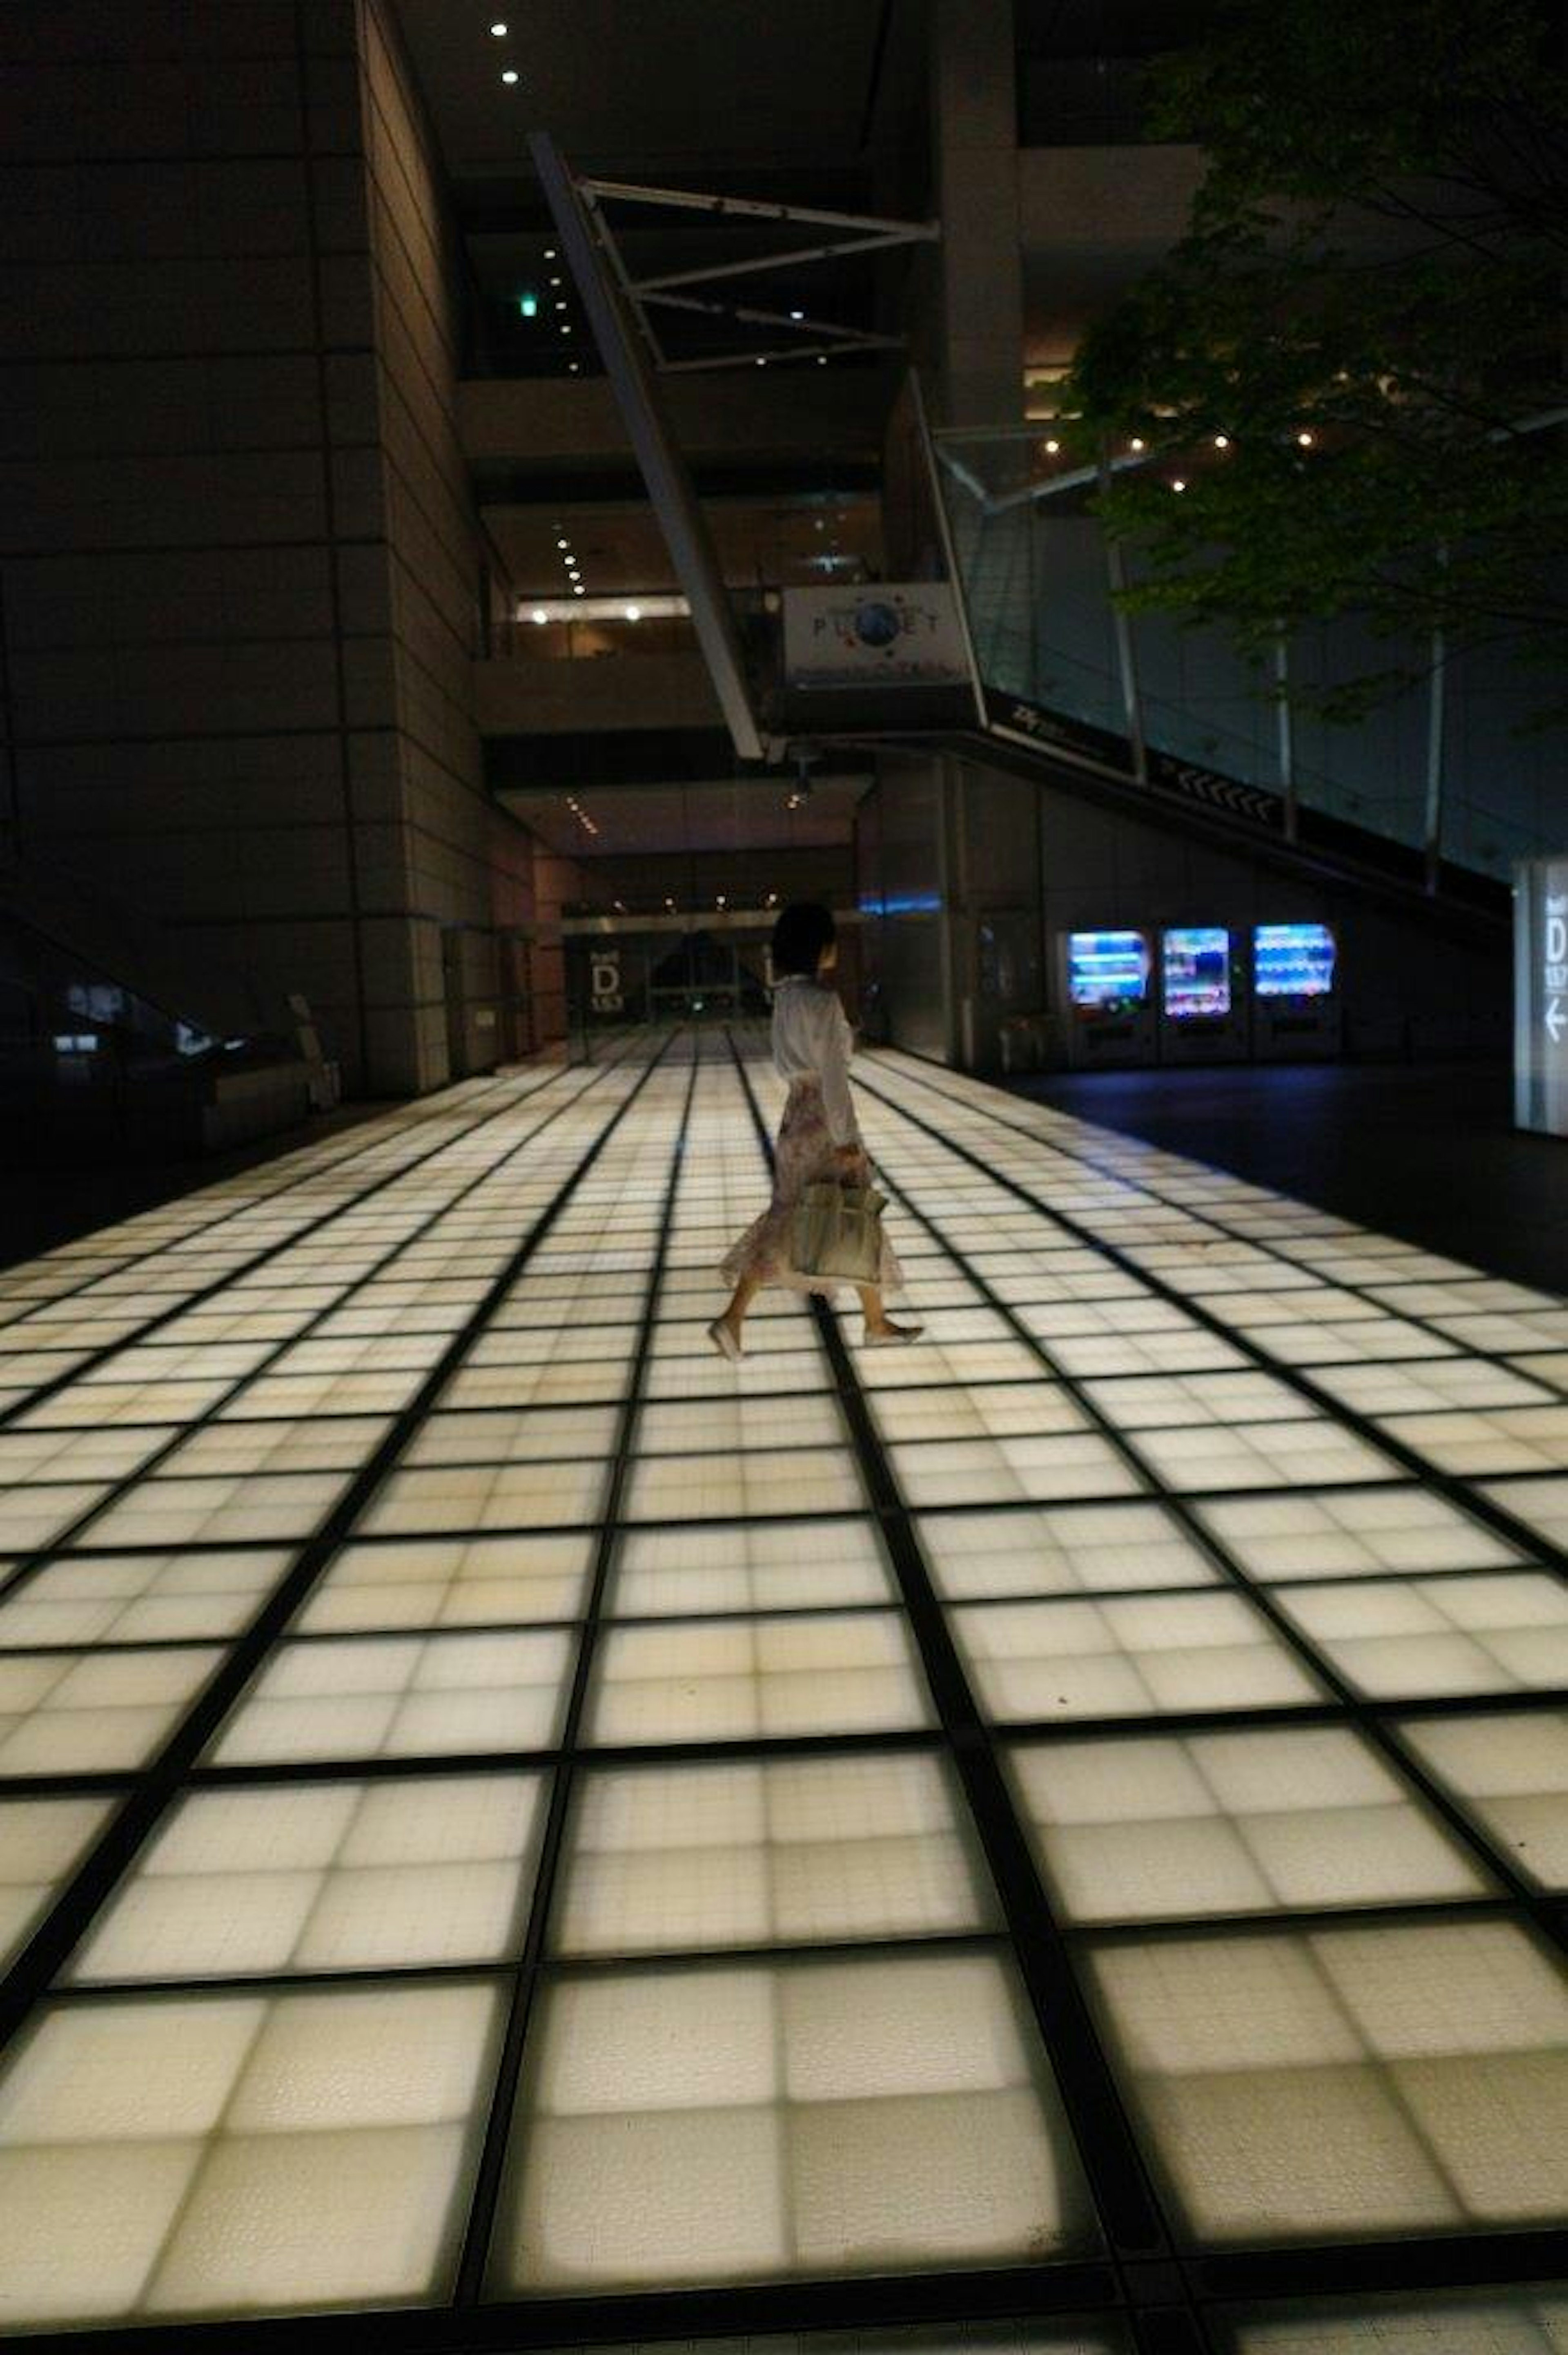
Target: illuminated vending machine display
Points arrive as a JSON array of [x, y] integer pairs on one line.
[[1110, 1011], [1295, 1001], [1200, 1002]]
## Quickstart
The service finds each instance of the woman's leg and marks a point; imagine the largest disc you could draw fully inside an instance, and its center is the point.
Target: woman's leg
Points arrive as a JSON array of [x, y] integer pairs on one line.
[[879, 1325], [740, 1300]]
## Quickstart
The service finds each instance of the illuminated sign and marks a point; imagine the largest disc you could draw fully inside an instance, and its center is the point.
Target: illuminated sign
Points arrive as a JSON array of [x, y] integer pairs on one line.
[[604, 986], [1106, 971], [1197, 969], [1541, 994], [904, 632], [1292, 960]]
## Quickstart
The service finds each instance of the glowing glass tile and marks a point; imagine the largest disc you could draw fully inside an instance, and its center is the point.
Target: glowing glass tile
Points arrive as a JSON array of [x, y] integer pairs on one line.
[[1188, 1349], [481, 1496], [1237, 1823], [924, 1362], [733, 1680], [1541, 1505], [256, 1507], [744, 2122], [32, 1517], [746, 1566], [1351, 2081], [1260, 1455], [542, 1435], [1504, 1632], [218, 2154], [996, 1471], [1439, 1384], [1063, 1550], [1359, 1535], [1131, 1658], [1375, 1340], [786, 1852], [48, 1455], [794, 1480], [450, 1582], [1508, 1770], [730, 1422], [400, 1696], [324, 1877], [72, 1713], [140, 1598], [1153, 1402], [41, 1840], [990, 1410]]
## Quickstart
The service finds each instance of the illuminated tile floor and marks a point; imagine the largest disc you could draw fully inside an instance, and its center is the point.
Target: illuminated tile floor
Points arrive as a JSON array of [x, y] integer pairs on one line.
[[497, 1805]]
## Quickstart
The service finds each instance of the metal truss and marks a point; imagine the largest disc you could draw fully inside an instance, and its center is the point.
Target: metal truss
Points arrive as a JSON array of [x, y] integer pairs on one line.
[[811, 338]]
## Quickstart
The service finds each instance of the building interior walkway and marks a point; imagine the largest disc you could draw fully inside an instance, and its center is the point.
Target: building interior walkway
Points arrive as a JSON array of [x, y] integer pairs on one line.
[[500, 1808]]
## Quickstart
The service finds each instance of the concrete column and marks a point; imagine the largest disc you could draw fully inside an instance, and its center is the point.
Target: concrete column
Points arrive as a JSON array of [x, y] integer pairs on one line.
[[978, 312]]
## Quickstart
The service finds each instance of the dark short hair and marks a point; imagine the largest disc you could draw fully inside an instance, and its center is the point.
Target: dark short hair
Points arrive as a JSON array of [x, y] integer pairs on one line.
[[803, 930]]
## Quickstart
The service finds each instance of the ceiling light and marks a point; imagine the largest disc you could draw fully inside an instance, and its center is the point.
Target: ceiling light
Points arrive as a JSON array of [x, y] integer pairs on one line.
[[1137, 443], [634, 612], [797, 314], [560, 303], [1305, 440], [1051, 449], [721, 901], [566, 331], [555, 281], [510, 75], [620, 907], [540, 614], [563, 543], [577, 588], [1178, 485], [822, 359], [669, 903], [571, 368], [549, 253], [499, 31], [1222, 440], [762, 363]]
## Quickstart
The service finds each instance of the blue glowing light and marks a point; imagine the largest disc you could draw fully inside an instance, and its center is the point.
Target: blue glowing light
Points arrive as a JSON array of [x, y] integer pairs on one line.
[[1293, 960], [1197, 963]]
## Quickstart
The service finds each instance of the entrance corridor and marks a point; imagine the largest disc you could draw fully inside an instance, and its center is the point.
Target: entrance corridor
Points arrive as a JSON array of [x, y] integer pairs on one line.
[[1054, 1835]]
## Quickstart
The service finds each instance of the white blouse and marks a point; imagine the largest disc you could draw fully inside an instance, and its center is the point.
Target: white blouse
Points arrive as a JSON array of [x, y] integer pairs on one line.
[[813, 1039]]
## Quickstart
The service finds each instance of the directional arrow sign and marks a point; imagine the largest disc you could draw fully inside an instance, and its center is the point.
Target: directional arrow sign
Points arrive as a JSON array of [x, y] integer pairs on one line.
[[1555, 1019]]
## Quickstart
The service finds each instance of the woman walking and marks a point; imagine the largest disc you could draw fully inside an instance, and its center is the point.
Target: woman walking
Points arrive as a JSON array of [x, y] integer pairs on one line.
[[818, 1137]]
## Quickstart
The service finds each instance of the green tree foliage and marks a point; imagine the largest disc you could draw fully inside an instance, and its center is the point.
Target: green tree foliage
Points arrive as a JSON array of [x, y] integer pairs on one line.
[[1376, 260]]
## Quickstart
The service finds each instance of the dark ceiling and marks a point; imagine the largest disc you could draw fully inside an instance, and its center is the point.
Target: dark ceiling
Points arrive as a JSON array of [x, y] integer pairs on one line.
[[667, 93]]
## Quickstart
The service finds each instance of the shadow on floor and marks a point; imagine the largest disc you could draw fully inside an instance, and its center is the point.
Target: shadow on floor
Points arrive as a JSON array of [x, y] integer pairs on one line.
[[1428, 1154]]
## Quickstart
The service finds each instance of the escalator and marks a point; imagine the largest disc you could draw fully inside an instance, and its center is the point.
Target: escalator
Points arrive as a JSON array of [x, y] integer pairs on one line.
[[118, 1043]]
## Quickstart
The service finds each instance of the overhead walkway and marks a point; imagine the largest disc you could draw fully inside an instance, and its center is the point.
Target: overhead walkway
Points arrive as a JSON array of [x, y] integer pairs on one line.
[[1054, 1834]]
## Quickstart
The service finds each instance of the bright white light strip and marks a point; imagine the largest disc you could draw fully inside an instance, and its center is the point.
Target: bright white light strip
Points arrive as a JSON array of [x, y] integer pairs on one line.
[[603, 609]]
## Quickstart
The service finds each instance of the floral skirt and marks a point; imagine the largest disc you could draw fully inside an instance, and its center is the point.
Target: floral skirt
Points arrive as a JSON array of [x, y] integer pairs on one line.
[[804, 1154]]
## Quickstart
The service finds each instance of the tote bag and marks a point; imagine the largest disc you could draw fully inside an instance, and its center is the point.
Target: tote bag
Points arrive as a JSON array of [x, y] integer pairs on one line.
[[837, 1231]]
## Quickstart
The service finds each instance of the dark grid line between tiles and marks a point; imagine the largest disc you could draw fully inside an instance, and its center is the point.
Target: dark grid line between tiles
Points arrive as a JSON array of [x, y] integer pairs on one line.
[[214, 1289], [1348, 1703], [1457, 1490], [79, 1902], [25, 1565]]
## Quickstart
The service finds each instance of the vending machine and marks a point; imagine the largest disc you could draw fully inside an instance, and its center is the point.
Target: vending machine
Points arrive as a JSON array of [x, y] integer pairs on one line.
[[1295, 999], [1203, 996], [1108, 994]]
